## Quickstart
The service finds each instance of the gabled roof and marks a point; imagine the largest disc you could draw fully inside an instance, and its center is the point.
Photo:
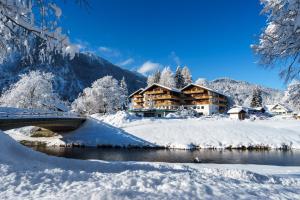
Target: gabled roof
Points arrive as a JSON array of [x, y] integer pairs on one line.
[[159, 85], [236, 110], [137, 91], [270, 107], [209, 89]]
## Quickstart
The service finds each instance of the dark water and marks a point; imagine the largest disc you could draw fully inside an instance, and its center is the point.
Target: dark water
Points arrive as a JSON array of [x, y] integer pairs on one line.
[[272, 157]]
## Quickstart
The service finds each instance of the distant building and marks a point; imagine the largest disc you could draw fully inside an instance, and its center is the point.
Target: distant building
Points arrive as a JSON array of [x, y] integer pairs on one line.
[[159, 98], [278, 109], [237, 113], [257, 110], [204, 100], [137, 99]]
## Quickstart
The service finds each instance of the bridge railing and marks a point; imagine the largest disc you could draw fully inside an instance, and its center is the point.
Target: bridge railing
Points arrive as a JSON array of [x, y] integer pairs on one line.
[[36, 114]]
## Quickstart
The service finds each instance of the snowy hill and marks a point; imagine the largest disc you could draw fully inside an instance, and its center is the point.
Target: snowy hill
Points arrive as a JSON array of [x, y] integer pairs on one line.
[[72, 76], [241, 91]]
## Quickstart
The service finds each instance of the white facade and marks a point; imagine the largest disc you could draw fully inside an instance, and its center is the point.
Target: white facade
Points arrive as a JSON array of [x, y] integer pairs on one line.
[[205, 109], [234, 116]]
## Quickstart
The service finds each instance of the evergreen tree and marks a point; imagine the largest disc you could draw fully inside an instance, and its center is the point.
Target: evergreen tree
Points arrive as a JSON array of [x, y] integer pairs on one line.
[[167, 78], [157, 76], [179, 80], [187, 77], [256, 98], [124, 94], [154, 78]]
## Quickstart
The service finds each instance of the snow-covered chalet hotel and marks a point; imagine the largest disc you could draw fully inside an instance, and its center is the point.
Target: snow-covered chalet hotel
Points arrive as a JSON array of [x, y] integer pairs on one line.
[[162, 100]]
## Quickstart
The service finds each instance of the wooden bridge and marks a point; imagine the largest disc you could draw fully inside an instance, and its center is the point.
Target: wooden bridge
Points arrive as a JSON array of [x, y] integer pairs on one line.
[[11, 118]]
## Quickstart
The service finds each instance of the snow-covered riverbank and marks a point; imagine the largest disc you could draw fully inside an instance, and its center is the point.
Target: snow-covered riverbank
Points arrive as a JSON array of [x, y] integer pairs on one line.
[[25, 174], [122, 129]]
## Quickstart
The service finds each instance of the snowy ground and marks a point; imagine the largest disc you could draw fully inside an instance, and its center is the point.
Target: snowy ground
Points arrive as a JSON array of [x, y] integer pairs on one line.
[[25, 174], [123, 129]]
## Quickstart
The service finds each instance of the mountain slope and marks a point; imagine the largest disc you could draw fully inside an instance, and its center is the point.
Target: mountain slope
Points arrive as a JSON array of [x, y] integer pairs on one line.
[[241, 91], [72, 76]]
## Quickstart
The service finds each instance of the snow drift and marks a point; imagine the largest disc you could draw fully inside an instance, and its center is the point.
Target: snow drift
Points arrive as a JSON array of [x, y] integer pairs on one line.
[[25, 174]]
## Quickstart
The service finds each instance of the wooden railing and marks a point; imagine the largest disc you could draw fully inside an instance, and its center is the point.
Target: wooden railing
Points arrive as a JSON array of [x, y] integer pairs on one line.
[[138, 100], [155, 92], [193, 91], [165, 97]]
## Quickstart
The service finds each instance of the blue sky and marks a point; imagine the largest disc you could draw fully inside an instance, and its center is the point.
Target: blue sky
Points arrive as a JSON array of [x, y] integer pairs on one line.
[[211, 37]]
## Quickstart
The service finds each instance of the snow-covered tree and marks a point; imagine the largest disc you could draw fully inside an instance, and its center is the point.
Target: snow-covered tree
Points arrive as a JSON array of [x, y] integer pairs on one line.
[[33, 90], [279, 42], [124, 94], [104, 96], [167, 78], [30, 28], [256, 98], [179, 80], [186, 75], [292, 95], [150, 80], [202, 81], [154, 78]]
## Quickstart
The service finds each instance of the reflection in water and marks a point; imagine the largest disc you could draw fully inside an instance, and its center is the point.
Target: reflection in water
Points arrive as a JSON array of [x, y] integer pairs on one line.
[[283, 158]]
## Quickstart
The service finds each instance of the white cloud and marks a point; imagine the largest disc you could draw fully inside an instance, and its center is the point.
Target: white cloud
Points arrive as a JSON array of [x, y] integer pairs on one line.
[[148, 66], [126, 62], [106, 51], [81, 45], [175, 58]]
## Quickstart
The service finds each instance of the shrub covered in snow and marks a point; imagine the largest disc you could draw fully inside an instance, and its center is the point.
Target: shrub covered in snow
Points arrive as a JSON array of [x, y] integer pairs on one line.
[[104, 96], [33, 90]]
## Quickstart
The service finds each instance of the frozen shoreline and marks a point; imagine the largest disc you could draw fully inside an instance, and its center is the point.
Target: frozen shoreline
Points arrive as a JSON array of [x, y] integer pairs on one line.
[[123, 130], [26, 174]]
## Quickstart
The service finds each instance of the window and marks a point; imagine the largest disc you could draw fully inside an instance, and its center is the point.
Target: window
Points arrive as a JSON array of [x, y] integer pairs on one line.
[[202, 107], [194, 107]]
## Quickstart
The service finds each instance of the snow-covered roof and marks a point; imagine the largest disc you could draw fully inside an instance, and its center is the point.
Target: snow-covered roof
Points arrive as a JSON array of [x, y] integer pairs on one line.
[[236, 110], [137, 91], [159, 85], [284, 107], [193, 84]]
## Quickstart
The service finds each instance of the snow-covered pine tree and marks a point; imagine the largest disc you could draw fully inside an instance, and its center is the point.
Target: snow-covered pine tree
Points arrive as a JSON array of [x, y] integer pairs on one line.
[[280, 40], [154, 78], [179, 80], [150, 80], [33, 91], [186, 75], [124, 94], [292, 95], [202, 81], [102, 97], [256, 98], [167, 78]]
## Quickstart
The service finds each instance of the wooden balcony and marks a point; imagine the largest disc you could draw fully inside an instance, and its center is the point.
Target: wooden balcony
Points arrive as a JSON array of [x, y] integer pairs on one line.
[[138, 100], [162, 97], [155, 92], [138, 106], [193, 91], [192, 97], [197, 102]]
